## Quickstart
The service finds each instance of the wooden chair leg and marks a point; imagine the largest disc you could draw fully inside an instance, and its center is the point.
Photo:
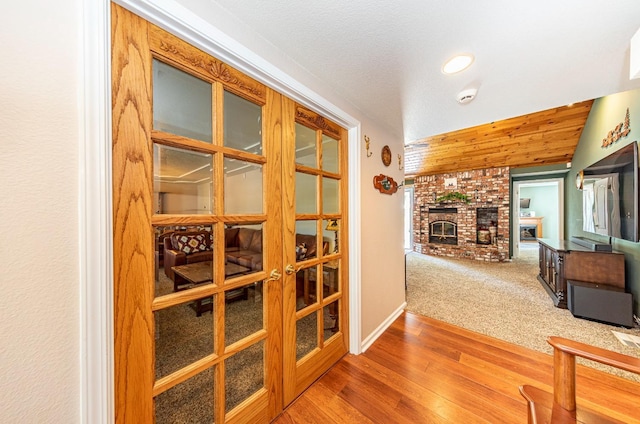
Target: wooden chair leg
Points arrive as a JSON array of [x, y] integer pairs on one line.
[[564, 380]]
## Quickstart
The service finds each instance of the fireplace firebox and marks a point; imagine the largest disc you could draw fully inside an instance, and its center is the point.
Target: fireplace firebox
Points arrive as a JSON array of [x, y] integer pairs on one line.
[[528, 232], [443, 232], [443, 225]]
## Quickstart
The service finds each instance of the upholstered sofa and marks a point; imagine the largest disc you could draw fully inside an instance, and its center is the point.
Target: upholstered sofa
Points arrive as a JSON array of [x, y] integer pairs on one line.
[[243, 246], [186, 247]]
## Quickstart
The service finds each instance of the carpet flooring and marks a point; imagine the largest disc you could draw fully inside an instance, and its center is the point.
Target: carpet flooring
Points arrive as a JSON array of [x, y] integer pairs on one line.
[[505, 301], [182, 338]]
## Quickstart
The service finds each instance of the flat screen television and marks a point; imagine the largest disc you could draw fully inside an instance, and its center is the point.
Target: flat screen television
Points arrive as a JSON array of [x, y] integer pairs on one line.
[[610, 195], [525, 202]]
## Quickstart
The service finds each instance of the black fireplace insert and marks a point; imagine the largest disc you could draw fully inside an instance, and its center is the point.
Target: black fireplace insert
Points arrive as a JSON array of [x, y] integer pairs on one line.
[[528, 232]]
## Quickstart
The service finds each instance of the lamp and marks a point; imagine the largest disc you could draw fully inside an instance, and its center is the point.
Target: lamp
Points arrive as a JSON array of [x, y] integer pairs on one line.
[[332, 225]]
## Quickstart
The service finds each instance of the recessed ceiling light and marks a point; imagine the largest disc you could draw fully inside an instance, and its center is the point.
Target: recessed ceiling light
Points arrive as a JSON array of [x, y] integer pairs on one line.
[[457, 63]]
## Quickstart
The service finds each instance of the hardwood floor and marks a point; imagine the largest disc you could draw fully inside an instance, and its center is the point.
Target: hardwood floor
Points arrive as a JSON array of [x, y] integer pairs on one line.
[[426, 371]]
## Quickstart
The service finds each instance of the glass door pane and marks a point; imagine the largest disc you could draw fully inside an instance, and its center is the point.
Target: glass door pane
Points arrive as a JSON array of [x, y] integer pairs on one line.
[[306, 151], [181, 103], [242, 187], [306, 193], [330, 154], [182, 181], [242, 124], [192, 401], [330, 231], [330, 196]]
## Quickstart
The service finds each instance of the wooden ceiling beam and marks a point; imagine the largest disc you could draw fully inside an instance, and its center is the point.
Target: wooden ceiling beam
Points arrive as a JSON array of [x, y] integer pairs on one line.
[[542, 138]]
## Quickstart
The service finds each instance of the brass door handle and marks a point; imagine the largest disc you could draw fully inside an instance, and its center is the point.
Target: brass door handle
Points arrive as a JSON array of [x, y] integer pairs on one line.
[[290, 269], [275, 275]]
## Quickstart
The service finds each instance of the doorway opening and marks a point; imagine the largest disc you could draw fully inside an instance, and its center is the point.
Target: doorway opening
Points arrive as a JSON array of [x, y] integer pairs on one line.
[[222, 331], [408, 218], [538, 212]]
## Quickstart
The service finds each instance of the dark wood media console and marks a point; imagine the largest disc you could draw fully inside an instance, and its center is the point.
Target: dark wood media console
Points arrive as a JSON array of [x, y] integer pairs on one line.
[[562, 260]]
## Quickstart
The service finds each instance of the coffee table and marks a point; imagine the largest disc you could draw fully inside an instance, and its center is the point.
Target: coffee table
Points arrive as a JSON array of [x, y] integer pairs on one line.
[[200, 273]]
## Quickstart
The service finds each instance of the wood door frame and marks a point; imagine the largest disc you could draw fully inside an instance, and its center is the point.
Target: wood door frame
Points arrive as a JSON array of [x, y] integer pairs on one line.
[[96, 259], [97, 403]]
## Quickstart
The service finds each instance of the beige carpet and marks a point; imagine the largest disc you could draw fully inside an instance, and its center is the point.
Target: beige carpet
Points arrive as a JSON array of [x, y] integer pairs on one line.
[[502, 300]]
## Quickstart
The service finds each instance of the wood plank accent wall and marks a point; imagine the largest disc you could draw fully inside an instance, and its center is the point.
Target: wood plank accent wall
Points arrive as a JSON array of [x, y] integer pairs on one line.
[[542, 138]]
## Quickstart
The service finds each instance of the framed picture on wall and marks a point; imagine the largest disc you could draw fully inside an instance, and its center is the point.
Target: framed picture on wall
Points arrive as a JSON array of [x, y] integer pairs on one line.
[[450, 183]]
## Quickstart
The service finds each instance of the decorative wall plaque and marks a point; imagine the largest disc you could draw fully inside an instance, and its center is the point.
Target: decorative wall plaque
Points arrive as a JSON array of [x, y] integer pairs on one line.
[[386, 155], [621, 130], [385, 184], [451, 183]]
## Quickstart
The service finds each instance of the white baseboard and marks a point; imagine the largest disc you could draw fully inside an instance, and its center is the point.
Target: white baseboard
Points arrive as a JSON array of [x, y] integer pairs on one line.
[[366, 343]]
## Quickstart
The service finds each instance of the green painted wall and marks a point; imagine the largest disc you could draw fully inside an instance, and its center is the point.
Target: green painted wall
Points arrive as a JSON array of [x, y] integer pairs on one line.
[[607, 112], [544, 202]]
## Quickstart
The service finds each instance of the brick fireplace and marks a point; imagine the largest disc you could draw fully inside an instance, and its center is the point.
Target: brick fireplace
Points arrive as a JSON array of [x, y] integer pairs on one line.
[[477, 229]]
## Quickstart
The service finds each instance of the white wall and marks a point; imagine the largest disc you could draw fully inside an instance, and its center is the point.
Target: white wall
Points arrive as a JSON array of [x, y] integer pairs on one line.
[[39, 144], [204, 197], [382, 243], [180, 203]]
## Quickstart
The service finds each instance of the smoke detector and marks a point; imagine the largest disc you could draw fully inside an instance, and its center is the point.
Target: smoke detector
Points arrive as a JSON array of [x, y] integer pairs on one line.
[[465, 96]]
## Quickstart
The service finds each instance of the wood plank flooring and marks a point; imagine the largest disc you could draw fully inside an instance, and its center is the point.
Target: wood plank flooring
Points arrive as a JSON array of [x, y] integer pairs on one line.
[[426, 371]]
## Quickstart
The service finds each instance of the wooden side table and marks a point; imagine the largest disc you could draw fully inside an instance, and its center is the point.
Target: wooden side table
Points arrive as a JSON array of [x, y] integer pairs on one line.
[[329, 279], [201, 273]]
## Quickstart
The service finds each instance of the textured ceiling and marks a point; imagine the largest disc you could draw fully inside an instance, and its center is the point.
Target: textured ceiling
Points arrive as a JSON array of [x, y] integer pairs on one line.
[[384, 57]]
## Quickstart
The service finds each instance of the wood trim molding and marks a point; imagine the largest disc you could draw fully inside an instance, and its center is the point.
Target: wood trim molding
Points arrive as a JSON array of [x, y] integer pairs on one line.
[[355, 234], [368, 341], [182, 54], [317, 122]]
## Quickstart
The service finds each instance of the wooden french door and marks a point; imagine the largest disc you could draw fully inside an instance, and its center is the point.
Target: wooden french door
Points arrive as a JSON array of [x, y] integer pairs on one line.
[[229, 236], [315, 295]]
